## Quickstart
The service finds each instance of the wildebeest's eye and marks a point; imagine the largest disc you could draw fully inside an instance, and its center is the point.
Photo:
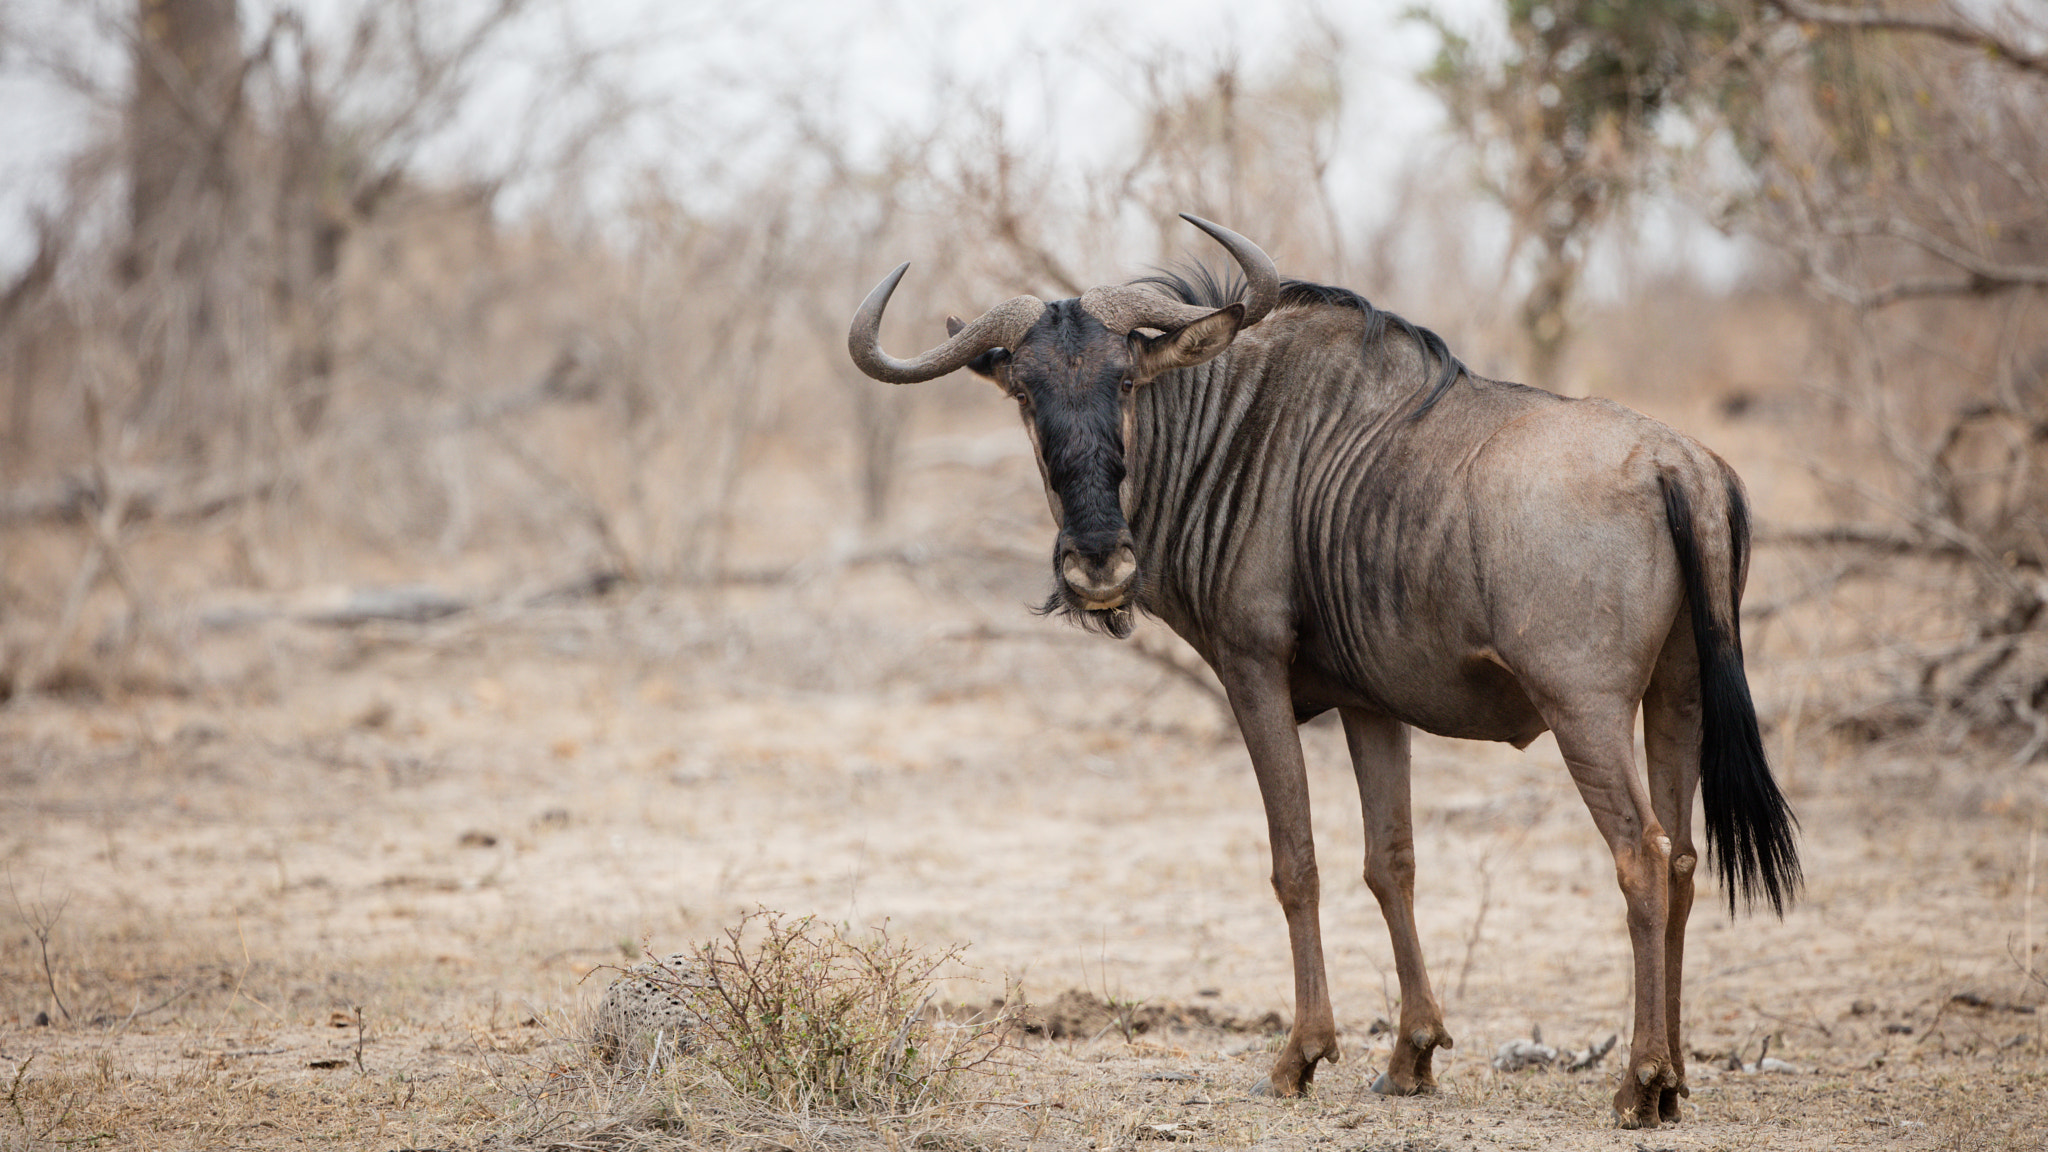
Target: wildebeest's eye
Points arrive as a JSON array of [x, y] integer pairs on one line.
[[1126, 384]]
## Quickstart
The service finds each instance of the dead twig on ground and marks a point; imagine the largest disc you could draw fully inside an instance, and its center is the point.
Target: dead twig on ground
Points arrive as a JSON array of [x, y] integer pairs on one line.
[[358, 1010], [41, 923], [139, 1011], [1478, 928]]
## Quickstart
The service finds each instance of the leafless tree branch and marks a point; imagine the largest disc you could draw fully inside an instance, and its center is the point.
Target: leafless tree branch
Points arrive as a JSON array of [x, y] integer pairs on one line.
[[1960, 30], [1984, 274], [1865, 536]]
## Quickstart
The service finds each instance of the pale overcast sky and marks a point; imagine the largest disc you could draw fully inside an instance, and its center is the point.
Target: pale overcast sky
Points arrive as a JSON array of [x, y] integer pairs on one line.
[[873, 57], [706, 66]]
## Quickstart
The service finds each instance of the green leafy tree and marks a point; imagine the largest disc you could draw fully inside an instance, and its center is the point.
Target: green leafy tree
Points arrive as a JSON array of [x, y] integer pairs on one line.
[[1564, 124]]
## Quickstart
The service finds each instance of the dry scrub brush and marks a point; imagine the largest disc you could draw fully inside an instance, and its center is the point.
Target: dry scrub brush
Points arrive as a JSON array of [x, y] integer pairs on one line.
[[204, 385], [807, 1016], [1893, 153], [781, 1026], [318, 360], [1889, 151], [310, 357]]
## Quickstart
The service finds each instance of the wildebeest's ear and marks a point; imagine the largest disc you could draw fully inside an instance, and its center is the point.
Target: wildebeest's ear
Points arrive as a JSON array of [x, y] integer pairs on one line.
[[983, 365], [1191, 344]]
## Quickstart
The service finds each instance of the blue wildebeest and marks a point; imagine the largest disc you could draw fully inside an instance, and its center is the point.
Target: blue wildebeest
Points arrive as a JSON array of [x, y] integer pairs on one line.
[[1335, 513]]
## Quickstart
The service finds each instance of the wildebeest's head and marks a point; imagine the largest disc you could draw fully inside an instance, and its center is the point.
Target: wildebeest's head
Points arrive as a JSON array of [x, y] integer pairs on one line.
[[1072, 366]]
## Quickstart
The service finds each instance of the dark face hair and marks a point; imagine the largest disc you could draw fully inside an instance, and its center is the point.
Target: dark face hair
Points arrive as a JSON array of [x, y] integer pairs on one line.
[[1072, 365], [1073, 379]]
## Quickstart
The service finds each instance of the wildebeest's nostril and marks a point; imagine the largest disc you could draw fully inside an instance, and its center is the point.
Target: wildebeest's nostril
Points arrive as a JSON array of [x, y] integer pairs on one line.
[[1105, 578], [1124, 568]]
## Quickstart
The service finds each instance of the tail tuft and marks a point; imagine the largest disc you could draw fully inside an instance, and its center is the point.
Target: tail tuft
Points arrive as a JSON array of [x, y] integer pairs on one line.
[[1750, 827]]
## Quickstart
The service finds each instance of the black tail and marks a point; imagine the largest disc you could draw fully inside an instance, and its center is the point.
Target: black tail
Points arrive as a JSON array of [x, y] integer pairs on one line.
[[1749, 825]]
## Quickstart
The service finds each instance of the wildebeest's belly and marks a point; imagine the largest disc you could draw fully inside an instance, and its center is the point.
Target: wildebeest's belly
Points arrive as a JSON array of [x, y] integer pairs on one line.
[[1470, 697]]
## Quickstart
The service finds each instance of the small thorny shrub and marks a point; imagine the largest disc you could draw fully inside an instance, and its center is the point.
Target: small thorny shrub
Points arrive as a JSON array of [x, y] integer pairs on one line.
[[807, 1016]]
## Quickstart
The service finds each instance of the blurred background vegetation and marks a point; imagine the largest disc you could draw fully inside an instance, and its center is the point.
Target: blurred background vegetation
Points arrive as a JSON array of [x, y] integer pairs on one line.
[[396, 296]]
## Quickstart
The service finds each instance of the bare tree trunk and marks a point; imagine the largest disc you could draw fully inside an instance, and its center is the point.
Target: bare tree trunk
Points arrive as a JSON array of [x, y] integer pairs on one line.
[[22, 351], [184, 224], [313, 224], [181, 119], [1545, 310]]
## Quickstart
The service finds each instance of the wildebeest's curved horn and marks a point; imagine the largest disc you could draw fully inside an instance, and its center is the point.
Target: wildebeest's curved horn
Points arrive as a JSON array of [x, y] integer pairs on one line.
[[1125, 306], [1000, 327], [1262, 280], [1122, 307]]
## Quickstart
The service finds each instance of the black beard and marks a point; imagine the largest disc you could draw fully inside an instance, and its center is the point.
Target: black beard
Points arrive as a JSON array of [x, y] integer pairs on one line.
[[1117, 622]]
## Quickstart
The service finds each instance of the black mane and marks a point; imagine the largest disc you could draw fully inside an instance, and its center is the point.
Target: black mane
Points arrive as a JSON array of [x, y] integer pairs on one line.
[[1199, 285]]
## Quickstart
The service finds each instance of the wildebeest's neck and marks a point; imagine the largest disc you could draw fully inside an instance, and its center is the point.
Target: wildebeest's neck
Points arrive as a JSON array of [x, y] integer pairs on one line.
[[1217, 451], [1199, 285]]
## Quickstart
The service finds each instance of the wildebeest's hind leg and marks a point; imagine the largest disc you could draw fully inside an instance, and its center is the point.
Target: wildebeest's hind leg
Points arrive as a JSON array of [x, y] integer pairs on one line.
[[1671, 738], [1265, 716], [1379, 757], [1597, 737]]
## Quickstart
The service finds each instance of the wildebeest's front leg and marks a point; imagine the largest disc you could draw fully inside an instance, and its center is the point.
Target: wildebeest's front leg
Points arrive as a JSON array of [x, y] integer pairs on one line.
[[1265, 715], [1379, 756]]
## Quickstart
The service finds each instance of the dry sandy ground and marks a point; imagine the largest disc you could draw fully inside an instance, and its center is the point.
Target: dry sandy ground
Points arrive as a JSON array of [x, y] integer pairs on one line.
[[348, 894]]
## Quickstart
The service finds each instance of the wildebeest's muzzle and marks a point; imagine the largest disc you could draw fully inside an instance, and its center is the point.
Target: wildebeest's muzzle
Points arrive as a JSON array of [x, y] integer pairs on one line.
[[1100, 571]]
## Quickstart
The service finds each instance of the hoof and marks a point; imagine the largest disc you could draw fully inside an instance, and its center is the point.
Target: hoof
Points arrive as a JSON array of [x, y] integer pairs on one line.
[[1265, 1088], [1635, 1120], [1385, 1086], [1294, 1072], [1408, 1071], [1640, 1101]]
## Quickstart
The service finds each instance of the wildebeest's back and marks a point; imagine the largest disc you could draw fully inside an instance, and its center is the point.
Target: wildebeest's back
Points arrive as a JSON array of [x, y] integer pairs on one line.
[[1507, 544]]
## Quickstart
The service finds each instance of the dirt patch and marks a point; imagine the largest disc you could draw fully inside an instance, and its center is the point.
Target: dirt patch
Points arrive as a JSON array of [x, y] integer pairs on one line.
[[448, 834], [1081, 1015], [542, 800]]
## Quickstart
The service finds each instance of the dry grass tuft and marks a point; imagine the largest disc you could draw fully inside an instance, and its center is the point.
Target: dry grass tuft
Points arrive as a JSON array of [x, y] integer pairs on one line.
[[800, 1033], [804, 1016]]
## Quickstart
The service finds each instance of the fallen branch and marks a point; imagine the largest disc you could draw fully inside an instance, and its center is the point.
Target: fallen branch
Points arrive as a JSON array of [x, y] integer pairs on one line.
[[1521, 1055], [151, 496], [139, 1011], [172, 495], [1765, 1062]]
